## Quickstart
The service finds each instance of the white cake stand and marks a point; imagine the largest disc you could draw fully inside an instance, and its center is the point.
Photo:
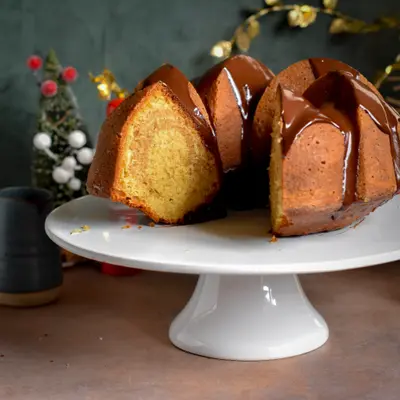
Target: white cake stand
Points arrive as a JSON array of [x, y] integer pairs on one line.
[[248, 303]]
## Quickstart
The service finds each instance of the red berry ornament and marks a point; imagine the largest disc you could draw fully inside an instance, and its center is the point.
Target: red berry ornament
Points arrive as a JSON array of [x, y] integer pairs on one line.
[[69, 74], [34, 63], [112, 105], [116, 270], [49, 88]]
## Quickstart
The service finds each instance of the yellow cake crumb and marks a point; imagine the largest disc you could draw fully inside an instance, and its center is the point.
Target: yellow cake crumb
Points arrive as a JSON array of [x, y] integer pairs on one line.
[[273, 239], [83, 228]]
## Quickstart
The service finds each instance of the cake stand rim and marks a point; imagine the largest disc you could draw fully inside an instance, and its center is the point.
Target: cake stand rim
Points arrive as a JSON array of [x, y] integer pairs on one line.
[[216, 268]]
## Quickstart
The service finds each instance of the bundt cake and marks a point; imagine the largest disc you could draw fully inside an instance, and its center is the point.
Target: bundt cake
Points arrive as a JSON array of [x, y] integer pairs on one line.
[[157, 152], [335, 155], [230, 91], [318, 135]]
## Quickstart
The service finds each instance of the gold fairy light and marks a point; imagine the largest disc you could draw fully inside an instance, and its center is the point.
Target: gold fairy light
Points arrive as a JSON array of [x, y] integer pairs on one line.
[[298, 16], [107, 85]]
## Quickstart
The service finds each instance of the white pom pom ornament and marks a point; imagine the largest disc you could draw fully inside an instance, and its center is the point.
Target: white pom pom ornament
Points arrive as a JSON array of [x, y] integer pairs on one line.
[[69, 163], [85, 156], [77, 139], [61, 175], [74, 184], [42, 140]]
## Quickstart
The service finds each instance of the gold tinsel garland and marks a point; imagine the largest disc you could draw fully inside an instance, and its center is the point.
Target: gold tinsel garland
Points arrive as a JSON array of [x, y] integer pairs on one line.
[[107, 85], [298, 16]]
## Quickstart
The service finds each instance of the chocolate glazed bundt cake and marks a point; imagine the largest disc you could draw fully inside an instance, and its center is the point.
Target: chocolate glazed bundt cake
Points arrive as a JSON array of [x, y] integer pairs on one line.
[[157, 152], [230, 91], [335, 155], [318, 135]]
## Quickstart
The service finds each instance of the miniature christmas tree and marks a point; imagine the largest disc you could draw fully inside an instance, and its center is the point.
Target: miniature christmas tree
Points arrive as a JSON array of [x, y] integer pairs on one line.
[[62, 149]]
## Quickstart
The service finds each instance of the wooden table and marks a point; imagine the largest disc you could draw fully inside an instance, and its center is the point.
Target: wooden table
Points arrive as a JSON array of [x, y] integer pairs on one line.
[[107, 338]]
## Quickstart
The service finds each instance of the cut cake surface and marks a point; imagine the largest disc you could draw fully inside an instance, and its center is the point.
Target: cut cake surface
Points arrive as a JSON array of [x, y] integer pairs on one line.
[[156, 154]]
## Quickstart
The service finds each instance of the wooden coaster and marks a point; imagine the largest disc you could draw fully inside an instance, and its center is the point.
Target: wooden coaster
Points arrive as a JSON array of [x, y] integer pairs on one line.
[[30, 299]]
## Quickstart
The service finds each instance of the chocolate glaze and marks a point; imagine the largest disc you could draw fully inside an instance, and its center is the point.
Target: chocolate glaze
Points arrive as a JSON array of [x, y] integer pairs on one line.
[[348, 94], [321, 66], [248, 79], [177, 82], [298, 113], [335, 98]]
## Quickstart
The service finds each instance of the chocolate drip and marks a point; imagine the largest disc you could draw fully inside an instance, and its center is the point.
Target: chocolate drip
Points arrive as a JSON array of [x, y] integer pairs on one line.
[[248, 79], [348, 94], [335, 99], [384, 116], [177, 82], [321, 66], [337, 89], [298, 113]]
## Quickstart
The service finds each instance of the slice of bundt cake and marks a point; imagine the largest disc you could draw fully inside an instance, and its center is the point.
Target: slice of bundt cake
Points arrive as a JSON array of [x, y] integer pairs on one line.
[[335, 155], [157, 152], [231, 90], [297, 78]]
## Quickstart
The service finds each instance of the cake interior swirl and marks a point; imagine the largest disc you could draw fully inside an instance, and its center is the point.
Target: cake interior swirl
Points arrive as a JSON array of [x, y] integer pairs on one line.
[[316, 143]]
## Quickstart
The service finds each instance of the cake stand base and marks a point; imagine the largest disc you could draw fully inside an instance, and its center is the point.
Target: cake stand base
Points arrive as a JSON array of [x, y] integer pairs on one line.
[[248, 318]]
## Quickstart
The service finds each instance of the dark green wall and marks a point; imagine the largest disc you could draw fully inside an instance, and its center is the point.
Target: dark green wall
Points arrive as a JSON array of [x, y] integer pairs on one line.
[[132, 37]]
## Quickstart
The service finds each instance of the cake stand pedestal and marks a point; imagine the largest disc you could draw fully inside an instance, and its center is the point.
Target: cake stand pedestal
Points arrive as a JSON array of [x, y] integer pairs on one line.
[[248, 303], [260, 317]]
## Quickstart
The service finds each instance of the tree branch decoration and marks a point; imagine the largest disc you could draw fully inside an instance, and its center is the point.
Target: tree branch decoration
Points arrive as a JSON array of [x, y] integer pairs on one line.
[[298, 16], [388, 75]]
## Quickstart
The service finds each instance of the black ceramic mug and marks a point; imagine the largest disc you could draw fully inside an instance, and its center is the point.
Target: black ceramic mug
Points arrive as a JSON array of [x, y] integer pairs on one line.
[[30, 263]]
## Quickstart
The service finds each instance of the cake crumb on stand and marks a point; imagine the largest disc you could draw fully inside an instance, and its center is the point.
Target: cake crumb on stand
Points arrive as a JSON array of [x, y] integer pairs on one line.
[[273, 239], [83, 228]]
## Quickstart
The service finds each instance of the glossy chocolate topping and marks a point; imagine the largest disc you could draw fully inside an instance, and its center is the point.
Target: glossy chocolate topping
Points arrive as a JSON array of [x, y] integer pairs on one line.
[[248, 79], [335, 98], [177, 82], [321, 66], [348, 94], [298, 113]]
